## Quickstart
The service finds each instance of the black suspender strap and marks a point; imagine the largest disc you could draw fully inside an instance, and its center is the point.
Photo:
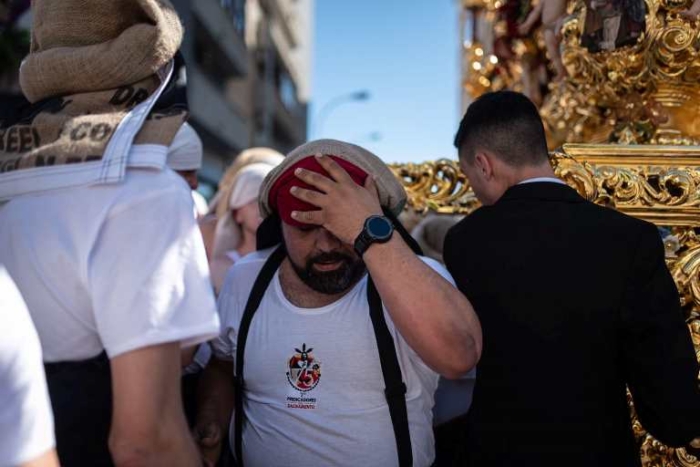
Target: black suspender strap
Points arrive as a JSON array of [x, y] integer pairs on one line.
[[256, 296], [395, 388]]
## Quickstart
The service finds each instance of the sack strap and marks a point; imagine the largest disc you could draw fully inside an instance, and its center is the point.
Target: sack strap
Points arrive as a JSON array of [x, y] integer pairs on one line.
[[395, 388], [256, 295]]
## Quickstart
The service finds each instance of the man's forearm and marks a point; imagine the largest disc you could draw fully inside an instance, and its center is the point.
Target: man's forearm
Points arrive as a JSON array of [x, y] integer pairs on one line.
[[173, 447], [47, 459], [148, 422], [436, 320]]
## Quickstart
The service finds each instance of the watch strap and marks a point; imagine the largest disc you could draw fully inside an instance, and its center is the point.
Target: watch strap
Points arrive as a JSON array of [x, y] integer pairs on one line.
[[365, 238]]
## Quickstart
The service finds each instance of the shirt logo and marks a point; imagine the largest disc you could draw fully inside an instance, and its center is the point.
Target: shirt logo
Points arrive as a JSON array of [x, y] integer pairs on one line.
[[303, 370]]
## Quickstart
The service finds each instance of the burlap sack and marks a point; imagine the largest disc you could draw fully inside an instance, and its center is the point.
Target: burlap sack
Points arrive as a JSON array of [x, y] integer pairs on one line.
[[91, 62], [81, 46]]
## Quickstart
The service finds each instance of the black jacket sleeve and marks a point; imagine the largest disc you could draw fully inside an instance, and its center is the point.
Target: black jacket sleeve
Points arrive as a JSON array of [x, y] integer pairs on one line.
[[656, 350]]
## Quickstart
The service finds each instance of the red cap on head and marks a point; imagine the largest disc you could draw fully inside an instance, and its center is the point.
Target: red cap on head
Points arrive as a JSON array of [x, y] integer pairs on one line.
[[283, 202]]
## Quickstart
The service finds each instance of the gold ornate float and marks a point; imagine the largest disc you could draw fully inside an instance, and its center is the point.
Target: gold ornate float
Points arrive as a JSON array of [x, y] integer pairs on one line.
[[624, 123]]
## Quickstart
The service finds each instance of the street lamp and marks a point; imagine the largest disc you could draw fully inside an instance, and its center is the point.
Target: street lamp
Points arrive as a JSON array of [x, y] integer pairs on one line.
[[356, 96]]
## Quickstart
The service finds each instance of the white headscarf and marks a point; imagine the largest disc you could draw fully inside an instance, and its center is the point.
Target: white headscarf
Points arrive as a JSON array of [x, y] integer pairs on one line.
[[185, 152], [245, 189], [257, 155]]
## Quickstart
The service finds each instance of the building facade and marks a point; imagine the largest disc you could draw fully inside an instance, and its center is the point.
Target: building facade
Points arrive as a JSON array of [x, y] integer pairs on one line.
[[248, 76]]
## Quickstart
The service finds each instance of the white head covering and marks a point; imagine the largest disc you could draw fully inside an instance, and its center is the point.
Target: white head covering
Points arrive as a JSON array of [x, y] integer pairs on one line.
[[185, 152], [257, 155], [430, 234], [245, 188]]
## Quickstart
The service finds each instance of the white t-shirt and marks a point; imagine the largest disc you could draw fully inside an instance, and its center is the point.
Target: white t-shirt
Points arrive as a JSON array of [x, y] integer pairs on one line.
[[314, 386], [115, 267], [26, 419], [453, 397]]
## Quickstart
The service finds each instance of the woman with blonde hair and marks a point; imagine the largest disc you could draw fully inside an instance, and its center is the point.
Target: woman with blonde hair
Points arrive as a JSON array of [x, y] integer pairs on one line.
[[237, 209]]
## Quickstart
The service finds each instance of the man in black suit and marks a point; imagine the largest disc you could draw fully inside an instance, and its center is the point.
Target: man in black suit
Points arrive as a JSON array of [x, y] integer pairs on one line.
[[576, 303]]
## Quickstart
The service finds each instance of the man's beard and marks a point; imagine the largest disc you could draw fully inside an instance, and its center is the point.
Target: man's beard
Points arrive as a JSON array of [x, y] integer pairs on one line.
[[332, 282]]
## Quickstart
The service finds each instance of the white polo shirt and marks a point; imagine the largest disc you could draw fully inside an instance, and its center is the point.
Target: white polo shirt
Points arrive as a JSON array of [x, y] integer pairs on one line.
[[112, 267]]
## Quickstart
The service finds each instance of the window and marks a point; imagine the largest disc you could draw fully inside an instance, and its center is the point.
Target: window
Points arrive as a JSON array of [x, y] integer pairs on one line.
[[212, 60], [288, 92], [236, 11]]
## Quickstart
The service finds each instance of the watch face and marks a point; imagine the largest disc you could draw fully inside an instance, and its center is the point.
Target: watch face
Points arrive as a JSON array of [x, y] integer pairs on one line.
[[379, 228]]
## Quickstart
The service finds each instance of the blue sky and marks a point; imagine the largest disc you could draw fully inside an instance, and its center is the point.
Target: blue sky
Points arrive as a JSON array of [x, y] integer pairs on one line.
[[406, 55]]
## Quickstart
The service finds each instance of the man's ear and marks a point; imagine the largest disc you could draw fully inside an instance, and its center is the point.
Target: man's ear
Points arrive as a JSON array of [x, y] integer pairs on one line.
[[484, 164]]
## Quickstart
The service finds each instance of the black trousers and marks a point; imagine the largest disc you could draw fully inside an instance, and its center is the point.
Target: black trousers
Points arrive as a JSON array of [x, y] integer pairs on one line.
[[449, 442], [81, 397]]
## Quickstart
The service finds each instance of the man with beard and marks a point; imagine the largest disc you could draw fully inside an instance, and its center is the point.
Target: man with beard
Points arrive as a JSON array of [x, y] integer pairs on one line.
[[351, 329]]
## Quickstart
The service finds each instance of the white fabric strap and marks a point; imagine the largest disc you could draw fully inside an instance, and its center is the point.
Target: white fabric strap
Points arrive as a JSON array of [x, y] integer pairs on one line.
[[118, 155]]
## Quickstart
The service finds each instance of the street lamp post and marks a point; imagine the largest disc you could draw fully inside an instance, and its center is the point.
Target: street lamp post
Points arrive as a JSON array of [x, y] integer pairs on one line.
[[356, 96]]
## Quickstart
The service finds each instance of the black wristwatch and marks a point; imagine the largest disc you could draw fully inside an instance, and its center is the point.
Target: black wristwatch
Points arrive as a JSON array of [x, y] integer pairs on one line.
[[377, 229]]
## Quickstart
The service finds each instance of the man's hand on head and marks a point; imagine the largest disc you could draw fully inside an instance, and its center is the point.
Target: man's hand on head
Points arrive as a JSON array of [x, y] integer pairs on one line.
[[344, 205]]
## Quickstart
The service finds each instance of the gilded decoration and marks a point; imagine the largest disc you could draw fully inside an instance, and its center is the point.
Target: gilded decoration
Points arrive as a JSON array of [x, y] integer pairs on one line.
[[643, 88], [439, 186], [644, 93], [656, 183]]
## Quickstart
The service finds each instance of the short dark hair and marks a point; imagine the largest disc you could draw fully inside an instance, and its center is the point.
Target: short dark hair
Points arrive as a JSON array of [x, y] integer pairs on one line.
[[505, 123]]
